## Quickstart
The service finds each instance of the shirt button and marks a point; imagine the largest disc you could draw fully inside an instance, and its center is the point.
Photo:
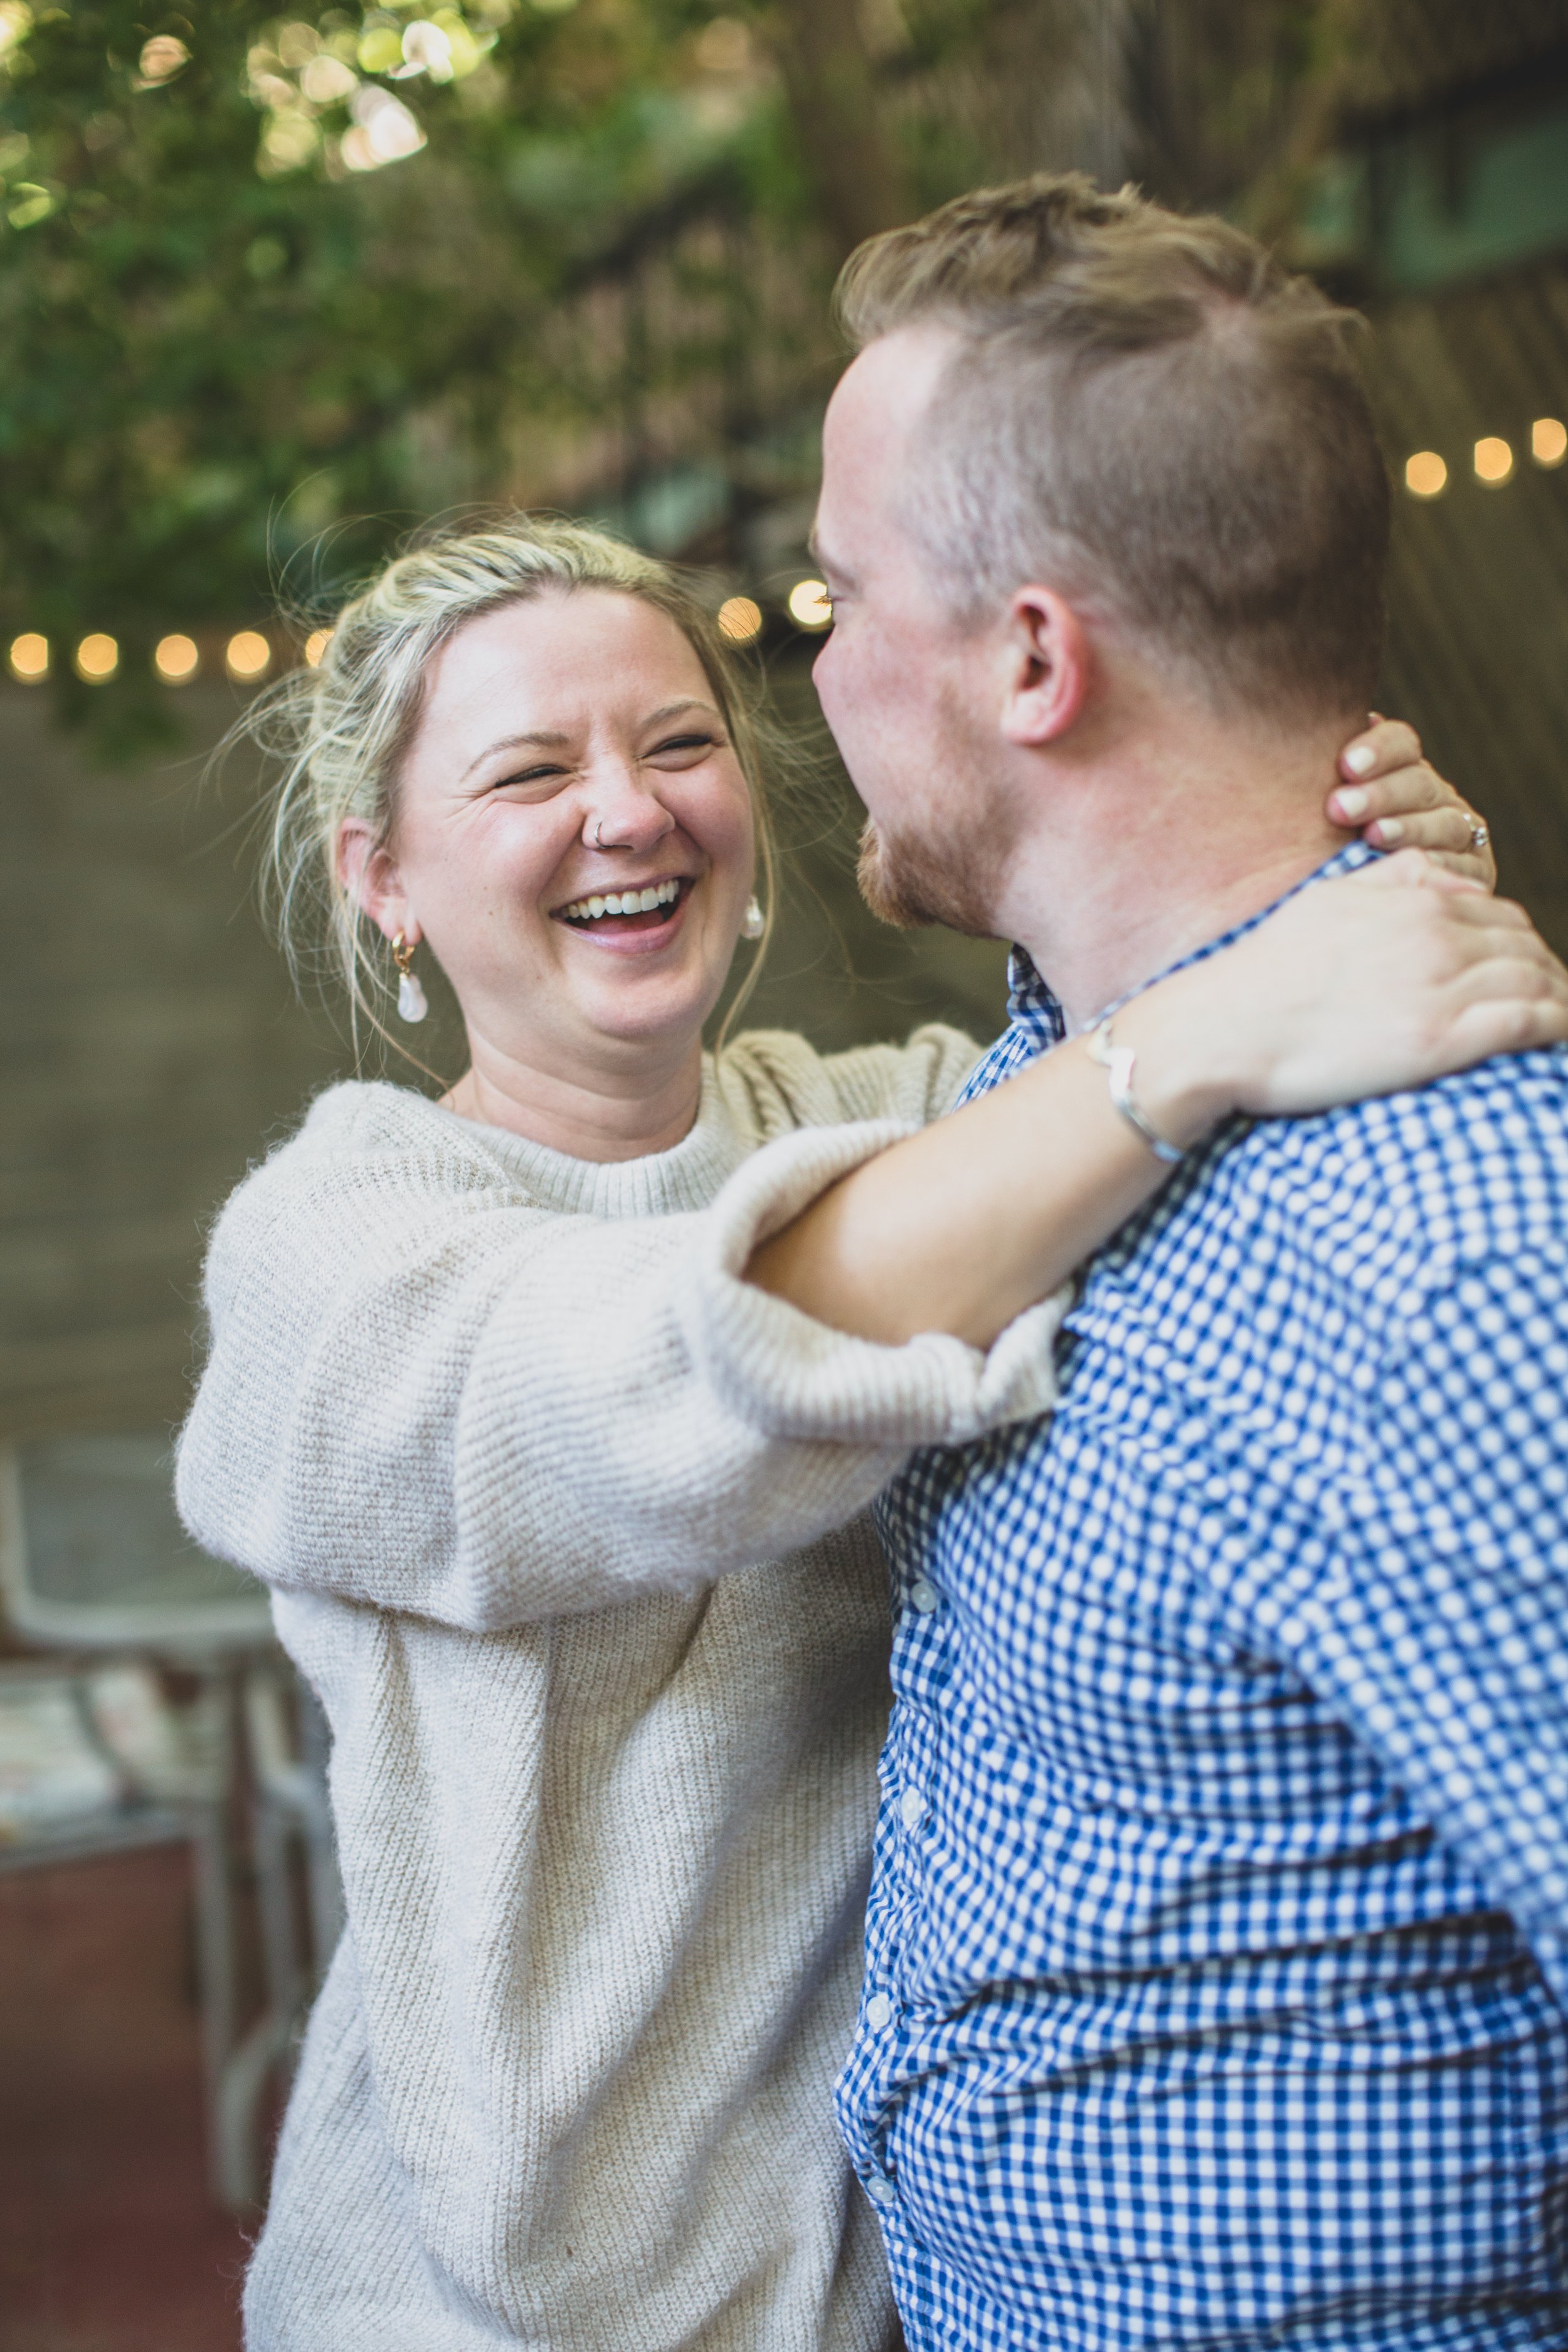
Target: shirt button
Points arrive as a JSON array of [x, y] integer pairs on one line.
[[881, 2193], [911, 1809], [923, 1595], [879, 2012]]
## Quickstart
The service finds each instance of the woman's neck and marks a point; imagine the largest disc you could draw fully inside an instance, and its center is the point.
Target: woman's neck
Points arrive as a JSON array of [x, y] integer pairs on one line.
[[600, 1114]]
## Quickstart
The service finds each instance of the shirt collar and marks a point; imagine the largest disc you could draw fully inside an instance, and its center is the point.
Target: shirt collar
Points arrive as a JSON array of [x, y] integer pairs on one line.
[[1032, 1006]]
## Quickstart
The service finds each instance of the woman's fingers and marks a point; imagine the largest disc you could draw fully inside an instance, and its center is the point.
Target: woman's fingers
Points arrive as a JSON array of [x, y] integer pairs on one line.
[[1507, 994], [1414, 808], [1446, 841], [1400, 801], [1503, 965], [1384, 744], [1447, 832], [1506, 1024], [1414, 870], [1394, 976], [1403, 791]]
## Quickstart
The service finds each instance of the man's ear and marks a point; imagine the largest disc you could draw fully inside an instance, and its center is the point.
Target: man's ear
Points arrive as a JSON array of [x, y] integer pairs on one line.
[[1050, 663], [368, 872]]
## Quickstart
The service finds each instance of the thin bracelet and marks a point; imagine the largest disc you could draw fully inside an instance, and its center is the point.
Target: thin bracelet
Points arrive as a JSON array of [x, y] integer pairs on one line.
[[1119, 1060]]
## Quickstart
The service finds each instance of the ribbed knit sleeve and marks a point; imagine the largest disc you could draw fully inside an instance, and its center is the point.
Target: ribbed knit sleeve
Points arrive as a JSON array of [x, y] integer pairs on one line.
[[783, 1372], [427, 1392]]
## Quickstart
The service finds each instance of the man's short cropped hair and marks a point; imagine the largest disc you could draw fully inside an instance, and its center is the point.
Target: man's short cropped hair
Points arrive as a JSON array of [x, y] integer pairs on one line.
[[1151, 415]]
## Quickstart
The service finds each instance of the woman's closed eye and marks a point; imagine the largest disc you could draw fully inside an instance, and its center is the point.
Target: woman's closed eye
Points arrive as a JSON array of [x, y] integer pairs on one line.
[[685, 750], [541, 781], [546, 777]]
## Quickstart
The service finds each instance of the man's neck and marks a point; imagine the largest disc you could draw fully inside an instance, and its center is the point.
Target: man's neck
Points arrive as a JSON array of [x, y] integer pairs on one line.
[[1124, 869]]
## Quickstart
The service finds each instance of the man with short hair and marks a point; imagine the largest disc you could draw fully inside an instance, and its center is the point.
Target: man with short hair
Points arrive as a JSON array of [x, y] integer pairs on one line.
[[1217, 1943]]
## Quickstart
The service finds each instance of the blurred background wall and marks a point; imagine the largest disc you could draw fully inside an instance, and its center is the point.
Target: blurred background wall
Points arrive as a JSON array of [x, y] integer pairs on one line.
[[273, 288]]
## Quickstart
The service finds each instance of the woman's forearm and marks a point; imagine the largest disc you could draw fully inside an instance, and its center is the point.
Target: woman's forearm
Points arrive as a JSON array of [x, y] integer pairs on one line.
[[961, 1227], [1362, 986]]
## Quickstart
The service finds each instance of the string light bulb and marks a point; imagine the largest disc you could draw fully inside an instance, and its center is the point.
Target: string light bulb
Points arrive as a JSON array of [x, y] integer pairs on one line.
[[1494, 461], [1549, 441], [741, 620], [29, 657], [316, 644], [810, 605], [97, 658], [175, 659], [1425, 475], [247, 656]]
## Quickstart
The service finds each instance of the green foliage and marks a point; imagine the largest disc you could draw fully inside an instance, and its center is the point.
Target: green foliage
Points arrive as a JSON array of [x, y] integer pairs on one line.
[[273, 288], [220, 337]]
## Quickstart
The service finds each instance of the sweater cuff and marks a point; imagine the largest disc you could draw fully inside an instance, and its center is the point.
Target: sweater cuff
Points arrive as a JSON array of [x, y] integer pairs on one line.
[[792, 1377]]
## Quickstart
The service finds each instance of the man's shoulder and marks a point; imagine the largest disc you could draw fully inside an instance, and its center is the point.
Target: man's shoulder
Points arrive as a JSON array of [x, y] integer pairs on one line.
[[1473, 1165], [1284, 1270]]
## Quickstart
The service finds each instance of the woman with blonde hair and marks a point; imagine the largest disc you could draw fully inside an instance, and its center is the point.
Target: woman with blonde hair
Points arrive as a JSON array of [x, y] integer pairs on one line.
[[563, 1516]]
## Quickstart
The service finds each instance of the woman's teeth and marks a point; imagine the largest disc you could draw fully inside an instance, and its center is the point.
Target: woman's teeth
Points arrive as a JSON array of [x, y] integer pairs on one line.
[[622, 902]]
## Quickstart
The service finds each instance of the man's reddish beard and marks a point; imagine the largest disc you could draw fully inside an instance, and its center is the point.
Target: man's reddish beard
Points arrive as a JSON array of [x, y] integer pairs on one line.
[[914, 884]]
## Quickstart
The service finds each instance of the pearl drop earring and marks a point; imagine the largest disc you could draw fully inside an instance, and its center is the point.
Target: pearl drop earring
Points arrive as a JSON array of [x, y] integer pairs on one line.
[[753, 922], [411, 1000]]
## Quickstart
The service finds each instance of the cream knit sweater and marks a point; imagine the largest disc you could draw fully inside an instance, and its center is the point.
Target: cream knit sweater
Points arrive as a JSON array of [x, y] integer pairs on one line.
[[561, 1520]]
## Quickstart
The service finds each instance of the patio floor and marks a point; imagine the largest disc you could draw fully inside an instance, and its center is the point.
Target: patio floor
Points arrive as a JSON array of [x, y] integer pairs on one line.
[[109, 2240]]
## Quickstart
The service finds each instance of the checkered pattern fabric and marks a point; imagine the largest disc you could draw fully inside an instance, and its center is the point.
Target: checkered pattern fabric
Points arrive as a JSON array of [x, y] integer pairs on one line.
[[1218, 1936]]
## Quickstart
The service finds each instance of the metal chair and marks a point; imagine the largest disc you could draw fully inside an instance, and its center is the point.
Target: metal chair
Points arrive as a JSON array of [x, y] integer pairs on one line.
[[93, 1557], [76, 1777], [94, 1565], [285, 1743]]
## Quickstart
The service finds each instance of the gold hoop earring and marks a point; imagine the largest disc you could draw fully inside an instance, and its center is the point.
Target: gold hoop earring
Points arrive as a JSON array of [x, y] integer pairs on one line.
[[411, 1000]]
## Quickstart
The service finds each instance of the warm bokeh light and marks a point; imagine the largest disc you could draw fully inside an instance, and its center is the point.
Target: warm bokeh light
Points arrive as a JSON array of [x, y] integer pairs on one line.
[[1425, 474], [326, 82], [162, 57], [1549, 441], [97, 658], [298, 43], [288, 142], [384, 130], [29, 657], [1494, 460], [810, 606], [427, 49], [316, 644], [247, 654], [740, 619], [175, 659]]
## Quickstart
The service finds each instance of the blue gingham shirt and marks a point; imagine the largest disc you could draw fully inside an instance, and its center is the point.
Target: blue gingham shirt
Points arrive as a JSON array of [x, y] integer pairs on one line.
[[1216, 1941]]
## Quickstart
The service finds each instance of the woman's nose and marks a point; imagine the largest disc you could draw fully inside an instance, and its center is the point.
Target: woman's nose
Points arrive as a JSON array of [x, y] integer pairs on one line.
[[624, 813]]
